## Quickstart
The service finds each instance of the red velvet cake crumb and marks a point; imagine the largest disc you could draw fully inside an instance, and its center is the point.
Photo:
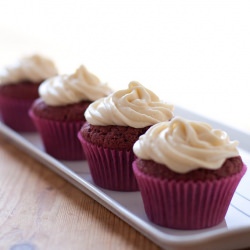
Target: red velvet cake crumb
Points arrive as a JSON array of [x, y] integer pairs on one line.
[[230, 167], [112, 137], [70, 112], [23, 90]]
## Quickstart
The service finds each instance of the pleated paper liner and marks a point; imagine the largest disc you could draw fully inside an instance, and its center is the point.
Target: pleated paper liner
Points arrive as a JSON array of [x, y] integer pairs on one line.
[[15, 114], [186, 204], [60, 138], [110, 169]]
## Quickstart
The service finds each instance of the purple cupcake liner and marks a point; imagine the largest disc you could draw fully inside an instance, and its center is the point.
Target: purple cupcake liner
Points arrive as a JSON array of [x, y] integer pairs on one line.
[[60, 138], [186, 204], [14, 113], [110, 169]]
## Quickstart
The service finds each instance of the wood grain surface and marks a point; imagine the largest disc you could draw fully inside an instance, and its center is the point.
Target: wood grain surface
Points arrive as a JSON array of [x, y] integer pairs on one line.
[[40, 210]]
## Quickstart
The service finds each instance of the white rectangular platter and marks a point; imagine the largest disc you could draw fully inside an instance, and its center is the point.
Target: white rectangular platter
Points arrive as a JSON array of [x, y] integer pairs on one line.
[[232, 233]]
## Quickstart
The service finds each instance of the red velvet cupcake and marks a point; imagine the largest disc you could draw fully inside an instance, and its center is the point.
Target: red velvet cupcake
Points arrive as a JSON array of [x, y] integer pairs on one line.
[[113, 125], [187, 173], [19, 84], [59, 112]]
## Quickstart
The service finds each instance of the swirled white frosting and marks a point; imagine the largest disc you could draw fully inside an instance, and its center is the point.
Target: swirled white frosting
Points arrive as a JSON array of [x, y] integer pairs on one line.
[[136, 107], [185, 145], [68, 89], [35, 68]]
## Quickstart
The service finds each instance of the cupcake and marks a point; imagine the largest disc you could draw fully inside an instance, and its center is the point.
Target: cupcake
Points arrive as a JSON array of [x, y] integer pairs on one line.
[[58, 113], [19, 84], [187, 173], [113, 125]]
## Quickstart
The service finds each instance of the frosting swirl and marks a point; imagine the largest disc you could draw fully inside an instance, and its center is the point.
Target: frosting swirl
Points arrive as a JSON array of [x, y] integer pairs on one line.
[[68, 89], [184, 145], [34, 68], [136, 107]]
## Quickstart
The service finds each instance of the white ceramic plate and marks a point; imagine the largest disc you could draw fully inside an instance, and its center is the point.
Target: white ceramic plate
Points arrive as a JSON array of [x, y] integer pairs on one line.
[[232, 233]]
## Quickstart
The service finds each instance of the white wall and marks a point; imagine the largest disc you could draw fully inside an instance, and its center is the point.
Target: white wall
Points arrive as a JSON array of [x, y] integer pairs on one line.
[[195, 54]]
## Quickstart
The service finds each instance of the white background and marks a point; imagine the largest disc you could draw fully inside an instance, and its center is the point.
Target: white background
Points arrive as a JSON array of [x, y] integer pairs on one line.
[[195, 54]]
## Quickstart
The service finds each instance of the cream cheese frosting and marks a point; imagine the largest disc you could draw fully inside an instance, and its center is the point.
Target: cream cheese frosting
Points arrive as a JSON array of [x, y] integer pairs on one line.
[[68, 89], [35, 68], [183, 145], [135, 106]]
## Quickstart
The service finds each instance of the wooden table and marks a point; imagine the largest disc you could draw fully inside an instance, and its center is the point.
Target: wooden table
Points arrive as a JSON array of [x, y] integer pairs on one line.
[[40, 210]]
